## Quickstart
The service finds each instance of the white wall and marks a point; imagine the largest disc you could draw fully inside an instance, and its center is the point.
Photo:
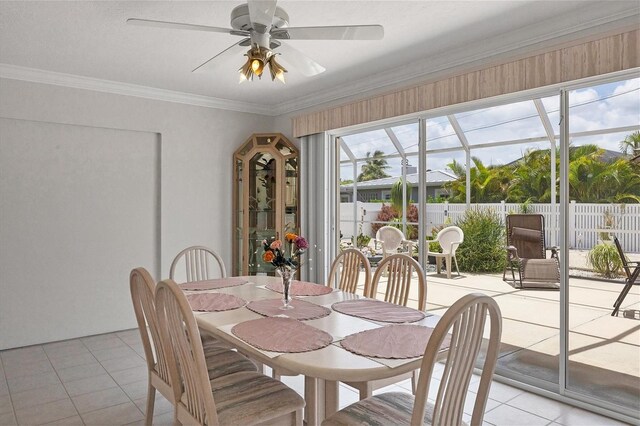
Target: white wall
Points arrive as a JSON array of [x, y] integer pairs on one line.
[[196, 148]]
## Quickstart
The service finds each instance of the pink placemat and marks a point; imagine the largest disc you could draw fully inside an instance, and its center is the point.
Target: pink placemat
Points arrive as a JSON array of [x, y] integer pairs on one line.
[[377, 310], [281, 335], [301, 288], [213, 302], [213, 284], [393, 341], [301, 310]]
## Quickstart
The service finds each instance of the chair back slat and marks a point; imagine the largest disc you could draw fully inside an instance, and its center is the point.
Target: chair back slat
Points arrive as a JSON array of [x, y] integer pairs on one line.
[[199, 263], [195, 402], [399, 269], [345, 271], [466, 319], [142, 296]]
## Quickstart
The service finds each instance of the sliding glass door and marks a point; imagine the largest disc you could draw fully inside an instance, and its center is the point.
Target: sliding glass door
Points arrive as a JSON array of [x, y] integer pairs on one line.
[[571, 157], [603, 351]]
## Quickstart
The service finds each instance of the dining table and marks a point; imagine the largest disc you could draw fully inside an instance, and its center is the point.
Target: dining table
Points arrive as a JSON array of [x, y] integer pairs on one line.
[[245, 313]]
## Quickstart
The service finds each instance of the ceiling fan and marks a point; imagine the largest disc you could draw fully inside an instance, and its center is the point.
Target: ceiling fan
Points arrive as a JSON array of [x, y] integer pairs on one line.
[[264, 28]]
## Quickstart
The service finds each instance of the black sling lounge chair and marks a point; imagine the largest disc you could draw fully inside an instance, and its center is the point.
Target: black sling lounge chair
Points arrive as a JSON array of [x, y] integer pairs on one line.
[[527, 254]]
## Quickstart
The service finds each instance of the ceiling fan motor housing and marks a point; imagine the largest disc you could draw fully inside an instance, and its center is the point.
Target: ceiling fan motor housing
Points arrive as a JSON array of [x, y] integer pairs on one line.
[[240, 19]]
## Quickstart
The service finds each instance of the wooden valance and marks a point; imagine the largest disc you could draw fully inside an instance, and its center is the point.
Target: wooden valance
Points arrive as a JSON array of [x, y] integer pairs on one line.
[[602, 56]]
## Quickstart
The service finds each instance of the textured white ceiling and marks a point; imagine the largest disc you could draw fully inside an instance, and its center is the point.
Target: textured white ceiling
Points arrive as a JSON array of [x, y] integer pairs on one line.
[[90, 39]]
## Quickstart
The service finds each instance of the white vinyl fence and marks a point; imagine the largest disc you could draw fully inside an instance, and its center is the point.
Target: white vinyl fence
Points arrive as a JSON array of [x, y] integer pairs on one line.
[[586, 221]]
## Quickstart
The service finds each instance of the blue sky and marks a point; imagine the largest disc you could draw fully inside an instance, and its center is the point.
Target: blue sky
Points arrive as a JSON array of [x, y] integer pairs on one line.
[[592, 108]]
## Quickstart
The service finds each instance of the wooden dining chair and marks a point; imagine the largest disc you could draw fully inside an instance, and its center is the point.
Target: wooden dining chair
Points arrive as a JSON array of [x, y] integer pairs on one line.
[[200, 263], [345, 271], [241, 398], [466, 319], [399, 270], [219, 360]]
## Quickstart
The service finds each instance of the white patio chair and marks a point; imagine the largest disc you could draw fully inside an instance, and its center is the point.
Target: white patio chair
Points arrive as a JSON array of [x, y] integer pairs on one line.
[[392, 239], [449, 238]]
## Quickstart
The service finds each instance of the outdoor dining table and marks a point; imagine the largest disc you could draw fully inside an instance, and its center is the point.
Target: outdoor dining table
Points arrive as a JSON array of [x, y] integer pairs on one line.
[[323, 368]]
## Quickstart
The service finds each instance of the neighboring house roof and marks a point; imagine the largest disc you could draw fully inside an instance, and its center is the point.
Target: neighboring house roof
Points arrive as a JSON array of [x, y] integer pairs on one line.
[[608, 156], [434, 178]]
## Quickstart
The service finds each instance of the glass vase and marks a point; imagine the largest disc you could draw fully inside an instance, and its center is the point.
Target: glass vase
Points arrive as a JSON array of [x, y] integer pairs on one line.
[[286, 287]]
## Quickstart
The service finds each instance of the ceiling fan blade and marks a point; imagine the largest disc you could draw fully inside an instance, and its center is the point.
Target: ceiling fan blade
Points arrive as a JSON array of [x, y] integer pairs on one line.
[[344, 32], [234, 49], [183, 26], [261, 14], [298, 60]]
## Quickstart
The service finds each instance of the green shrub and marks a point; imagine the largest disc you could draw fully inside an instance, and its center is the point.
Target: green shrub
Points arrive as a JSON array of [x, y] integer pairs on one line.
[[362, 240], [483, 249], [605, 260], [435, 247]]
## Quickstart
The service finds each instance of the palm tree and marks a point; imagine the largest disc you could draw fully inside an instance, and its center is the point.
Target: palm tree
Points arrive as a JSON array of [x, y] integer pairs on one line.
[[532, 178], [458, 169], [630, 145], [591, 179], [488, 183], [374, 167]]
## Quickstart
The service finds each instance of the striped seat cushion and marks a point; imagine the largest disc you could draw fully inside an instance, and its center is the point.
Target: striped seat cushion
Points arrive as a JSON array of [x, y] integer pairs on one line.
[[249, 398], [209, 341], [391, 408], [221, 361]]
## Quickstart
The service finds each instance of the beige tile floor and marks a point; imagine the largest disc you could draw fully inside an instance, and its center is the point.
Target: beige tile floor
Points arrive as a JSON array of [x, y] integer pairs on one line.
[[101, 380]]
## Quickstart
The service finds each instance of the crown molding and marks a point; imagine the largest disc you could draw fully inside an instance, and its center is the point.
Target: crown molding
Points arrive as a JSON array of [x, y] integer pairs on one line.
[[483, 52], [472, 55], [34, 75]]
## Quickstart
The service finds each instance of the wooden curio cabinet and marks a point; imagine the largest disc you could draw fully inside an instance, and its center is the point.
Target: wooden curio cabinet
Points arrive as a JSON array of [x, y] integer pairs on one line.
[[265, 202]]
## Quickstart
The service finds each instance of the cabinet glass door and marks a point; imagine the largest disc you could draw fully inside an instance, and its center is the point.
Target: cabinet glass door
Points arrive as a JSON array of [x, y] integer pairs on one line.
[[262, 208]]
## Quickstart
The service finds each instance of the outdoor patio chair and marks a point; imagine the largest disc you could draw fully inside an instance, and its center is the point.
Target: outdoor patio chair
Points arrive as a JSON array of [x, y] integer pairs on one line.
[[632, 276], [449, 239], [527, 254], [392, 239]]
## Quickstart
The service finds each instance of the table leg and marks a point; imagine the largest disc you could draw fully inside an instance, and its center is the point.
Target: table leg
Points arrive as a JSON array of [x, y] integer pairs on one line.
[[331, 395], [311, 396]]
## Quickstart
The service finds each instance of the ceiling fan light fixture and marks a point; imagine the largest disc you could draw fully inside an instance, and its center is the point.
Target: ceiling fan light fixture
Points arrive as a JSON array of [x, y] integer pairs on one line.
[[257, 58], [257, 66], [277, 70], [246, 73]]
